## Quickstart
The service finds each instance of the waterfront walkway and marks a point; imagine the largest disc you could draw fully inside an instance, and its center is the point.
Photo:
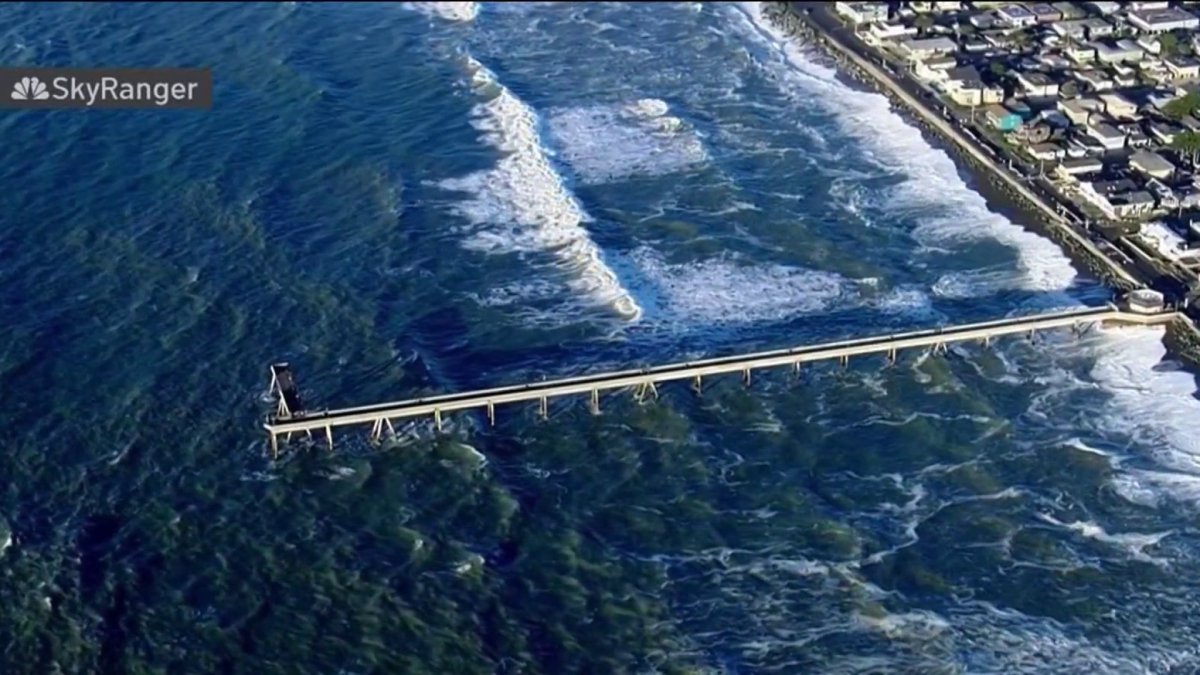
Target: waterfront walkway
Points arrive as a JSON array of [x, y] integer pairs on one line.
[[287, 421]]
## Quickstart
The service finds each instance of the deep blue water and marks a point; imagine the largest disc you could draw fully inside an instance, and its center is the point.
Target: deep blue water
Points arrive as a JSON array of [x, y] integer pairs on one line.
[[400, 201]]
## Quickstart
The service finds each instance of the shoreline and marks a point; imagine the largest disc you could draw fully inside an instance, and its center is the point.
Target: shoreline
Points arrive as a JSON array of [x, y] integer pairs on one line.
[[1028, 212]]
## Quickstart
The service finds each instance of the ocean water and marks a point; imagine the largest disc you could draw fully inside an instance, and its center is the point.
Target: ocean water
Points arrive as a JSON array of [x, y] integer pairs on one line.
[[410, 198]]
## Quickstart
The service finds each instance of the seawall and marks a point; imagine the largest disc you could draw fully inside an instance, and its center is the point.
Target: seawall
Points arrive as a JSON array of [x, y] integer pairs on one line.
[[1046, 219]]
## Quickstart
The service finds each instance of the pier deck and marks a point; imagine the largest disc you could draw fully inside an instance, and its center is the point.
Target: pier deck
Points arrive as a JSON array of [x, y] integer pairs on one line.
[[644, 380]]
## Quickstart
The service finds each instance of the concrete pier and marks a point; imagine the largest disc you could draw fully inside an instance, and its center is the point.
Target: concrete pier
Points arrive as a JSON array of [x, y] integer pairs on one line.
[[644, 381]]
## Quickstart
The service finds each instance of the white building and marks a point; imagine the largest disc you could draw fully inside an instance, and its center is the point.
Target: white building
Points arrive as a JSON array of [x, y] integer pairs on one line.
[[862, 12], [1163, 20], [1106, 134], [1151, 164], [1037, 84], [1016, 15], [918, 50], [1168, 243]]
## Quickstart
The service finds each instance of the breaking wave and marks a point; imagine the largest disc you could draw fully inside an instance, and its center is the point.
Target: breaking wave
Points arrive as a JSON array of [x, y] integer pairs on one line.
[[522, 204]]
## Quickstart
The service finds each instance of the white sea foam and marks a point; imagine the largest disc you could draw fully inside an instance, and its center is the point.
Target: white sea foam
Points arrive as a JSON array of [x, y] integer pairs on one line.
[[522, 205], [452, 11], [1133, 542], [607, 143], [723, 290], [933, 185], [1157, 408]]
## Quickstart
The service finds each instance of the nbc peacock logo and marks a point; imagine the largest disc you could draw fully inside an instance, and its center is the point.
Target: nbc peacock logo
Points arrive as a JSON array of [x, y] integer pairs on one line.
[[29, 89]]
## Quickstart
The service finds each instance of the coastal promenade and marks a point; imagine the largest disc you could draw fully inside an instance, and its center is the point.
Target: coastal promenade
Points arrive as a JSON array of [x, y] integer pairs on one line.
[[290, 419], [820, 20]]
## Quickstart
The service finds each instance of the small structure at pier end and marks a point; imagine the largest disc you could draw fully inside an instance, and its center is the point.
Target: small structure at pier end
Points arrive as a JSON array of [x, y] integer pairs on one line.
[[1144, 301]]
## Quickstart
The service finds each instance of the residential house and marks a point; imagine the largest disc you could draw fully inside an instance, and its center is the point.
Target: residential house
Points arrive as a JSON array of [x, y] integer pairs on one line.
[[1047, 151], [1002, 118], [1083, 166], [1167, 243], [1053, 61], [1165, 132], [1119, 107], [862, 12], [1037, 84], [1150, 43], [882, 31], [1080, 53], [1070, 29], [1121, 51], [1105, 8], [918, 50], [1165, 196], [1069, 10], [1105, 134], [1096, 80], [1044, 12], [925, 7], [1082, 145], [1124, 77], [1079, 110], [982, 20], [1135, 136], [1163, 20], [975, 46], [934, 70], [1152, 164], [1119, 198], [965, 87], [1016, 15], [1182, 67]]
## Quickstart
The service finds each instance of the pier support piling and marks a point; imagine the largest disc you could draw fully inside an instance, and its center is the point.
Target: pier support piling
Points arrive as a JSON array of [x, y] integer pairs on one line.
[[329, 435], [437, 419], [746, 377], [595, 401], [696, 386], [544, 408], [491, 413]]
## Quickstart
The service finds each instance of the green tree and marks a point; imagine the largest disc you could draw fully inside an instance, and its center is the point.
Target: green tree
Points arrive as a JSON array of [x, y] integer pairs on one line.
[[924, 22], [1169, 44], [997, 68], [1187, 143], [1182, 106]]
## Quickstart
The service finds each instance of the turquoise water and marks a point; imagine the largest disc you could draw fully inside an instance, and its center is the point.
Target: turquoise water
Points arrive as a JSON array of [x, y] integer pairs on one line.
[[398, 202]]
